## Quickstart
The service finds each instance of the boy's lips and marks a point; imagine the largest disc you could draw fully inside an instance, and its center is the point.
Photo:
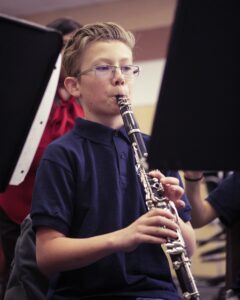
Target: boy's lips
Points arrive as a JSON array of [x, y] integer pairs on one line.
[[120, 95]]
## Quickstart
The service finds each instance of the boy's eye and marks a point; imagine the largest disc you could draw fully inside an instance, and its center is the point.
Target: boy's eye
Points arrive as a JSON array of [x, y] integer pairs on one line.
[[103, 68], [126, 68]]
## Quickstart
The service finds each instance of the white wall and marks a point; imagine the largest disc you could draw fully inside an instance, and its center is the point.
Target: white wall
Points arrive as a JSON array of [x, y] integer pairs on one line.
[[147, 85]]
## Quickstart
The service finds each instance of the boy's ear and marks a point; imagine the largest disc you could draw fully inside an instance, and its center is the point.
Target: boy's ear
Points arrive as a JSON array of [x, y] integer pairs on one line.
[[72, 86]]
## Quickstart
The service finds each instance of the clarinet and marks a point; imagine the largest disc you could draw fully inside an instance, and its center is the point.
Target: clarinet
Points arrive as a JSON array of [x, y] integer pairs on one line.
[[154, 199]]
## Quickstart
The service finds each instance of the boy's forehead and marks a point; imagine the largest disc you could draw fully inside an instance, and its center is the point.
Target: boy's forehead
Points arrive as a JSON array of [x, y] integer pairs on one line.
[[98, 50]]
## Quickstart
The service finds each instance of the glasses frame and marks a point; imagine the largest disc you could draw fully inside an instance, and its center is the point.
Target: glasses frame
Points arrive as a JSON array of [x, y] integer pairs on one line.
[[113, 70]]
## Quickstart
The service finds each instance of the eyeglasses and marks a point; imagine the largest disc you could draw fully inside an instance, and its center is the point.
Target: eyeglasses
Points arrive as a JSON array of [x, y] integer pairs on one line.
[[107, 71]]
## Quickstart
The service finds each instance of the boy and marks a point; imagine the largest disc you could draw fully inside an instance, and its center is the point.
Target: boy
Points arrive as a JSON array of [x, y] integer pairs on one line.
[[88, 205]]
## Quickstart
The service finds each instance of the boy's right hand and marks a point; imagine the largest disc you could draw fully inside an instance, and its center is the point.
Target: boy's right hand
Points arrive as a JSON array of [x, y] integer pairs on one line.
[[154, 227]]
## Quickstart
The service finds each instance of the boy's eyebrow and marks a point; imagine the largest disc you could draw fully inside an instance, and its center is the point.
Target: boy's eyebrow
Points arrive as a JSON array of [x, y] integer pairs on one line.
[[110, 61], [99, 60]]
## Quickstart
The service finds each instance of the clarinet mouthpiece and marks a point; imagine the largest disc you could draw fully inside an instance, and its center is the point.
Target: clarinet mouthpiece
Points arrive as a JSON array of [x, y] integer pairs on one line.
[[120, 97]]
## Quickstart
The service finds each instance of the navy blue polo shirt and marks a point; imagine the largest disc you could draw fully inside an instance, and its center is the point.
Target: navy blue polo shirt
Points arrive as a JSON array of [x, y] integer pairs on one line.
[[87, 185], [226, 199]]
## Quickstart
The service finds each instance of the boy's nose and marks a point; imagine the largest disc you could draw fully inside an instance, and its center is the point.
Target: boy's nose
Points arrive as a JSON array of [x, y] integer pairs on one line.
[[118, 77]]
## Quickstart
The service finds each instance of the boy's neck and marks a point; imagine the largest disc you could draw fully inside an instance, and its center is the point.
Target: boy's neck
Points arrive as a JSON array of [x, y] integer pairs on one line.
[[114, 122]]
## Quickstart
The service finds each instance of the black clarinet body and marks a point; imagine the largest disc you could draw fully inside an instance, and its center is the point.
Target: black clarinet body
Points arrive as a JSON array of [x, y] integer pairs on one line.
[[154, 198]]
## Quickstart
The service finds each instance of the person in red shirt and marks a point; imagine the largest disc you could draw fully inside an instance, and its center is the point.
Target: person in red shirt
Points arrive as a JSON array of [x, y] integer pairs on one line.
[[15, 202]]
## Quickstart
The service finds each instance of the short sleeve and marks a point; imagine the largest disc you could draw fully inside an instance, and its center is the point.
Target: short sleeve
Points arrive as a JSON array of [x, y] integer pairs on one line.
[[52, 203]]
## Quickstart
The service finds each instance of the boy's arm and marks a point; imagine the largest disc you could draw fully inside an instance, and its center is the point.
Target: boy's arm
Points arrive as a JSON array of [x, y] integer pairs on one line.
[[202, 211], [56, 252]]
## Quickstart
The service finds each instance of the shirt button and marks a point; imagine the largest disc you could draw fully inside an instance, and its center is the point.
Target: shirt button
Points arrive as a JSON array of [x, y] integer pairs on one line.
[[123, 155]]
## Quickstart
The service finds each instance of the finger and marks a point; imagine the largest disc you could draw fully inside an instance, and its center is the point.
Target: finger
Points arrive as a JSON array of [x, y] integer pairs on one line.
[[160, 232], [174, 192], [170, 180], [160, 212], [159, 221], [154, 240], [179, 204], [156, 173]]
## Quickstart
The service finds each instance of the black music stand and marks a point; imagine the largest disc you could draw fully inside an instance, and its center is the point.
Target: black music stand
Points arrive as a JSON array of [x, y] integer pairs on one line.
[[196, 125], [29, 56]]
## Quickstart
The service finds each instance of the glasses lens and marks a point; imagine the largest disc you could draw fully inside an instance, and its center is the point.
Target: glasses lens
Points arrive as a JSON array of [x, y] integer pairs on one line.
[[130, 70], [127, 70], [103, 71], [106, 71]]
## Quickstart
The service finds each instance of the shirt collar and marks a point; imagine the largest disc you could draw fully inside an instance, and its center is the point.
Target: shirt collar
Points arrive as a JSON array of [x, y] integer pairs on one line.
[[97, 132]]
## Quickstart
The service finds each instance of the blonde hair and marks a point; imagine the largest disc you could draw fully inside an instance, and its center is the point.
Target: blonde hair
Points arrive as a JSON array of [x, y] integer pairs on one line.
[[105, 31]]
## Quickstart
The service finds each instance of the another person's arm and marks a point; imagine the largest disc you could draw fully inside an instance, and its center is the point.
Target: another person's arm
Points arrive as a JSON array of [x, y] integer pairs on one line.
[[202, 211]]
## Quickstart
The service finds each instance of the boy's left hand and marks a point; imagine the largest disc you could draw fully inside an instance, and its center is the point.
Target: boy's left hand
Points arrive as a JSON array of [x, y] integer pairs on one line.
[[172, 190]]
